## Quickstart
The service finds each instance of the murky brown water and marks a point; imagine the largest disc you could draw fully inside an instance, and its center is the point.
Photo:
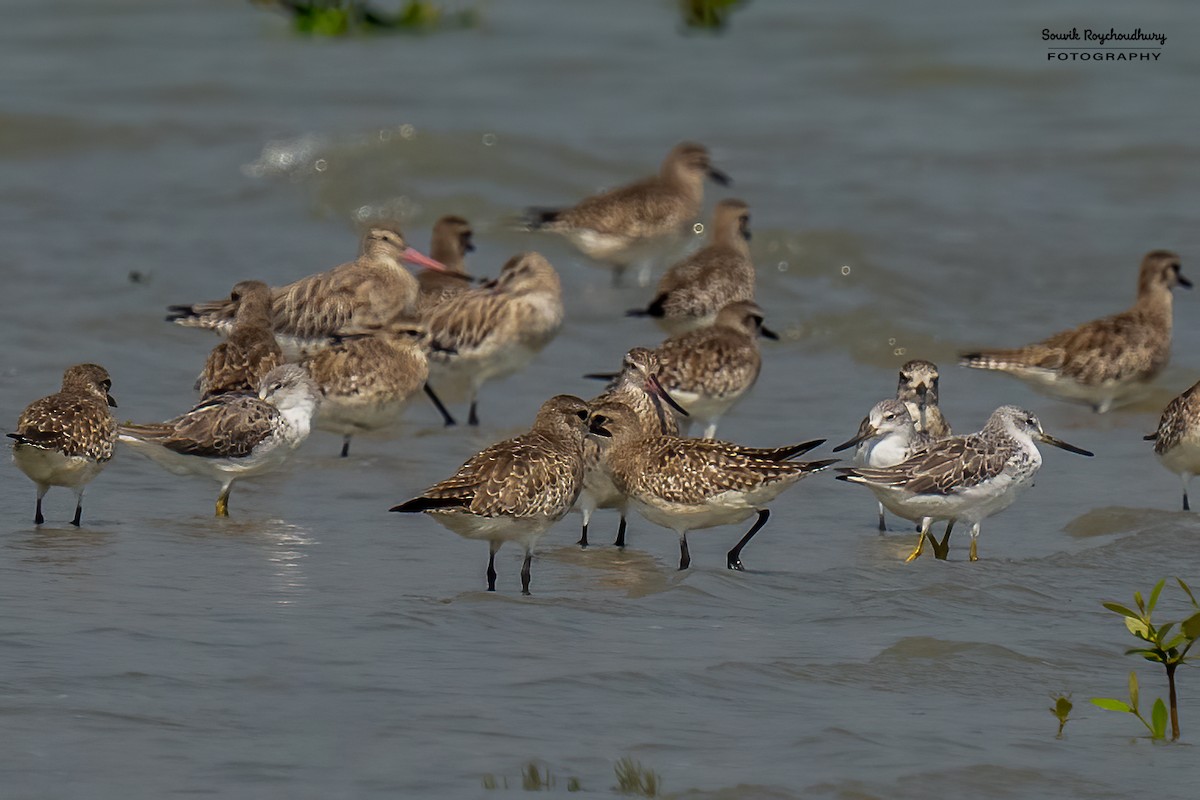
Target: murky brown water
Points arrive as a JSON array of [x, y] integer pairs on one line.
[[316, 646]]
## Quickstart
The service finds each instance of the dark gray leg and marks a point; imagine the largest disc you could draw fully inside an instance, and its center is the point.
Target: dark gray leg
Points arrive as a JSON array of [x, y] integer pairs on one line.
[[78, 512], [583, 542], [525, 572], [446, 418], [734, 560], [620, 542], [491, 570], [473, 419], [38, 519], [685, 558], [345, 445]]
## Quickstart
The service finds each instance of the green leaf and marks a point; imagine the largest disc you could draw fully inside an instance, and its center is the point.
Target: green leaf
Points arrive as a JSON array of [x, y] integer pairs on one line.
[[1112, 704], [1137, 628], [1141, 604], [1133, 689], [1174, 643], [1191, 626], [1120, 609], [1146, 653], [1188, 591], [1154, 593], [1163, 631], [1158, 716]]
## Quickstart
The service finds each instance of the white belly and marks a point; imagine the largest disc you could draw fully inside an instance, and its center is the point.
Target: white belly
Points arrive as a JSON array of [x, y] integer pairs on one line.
[[52, 468]]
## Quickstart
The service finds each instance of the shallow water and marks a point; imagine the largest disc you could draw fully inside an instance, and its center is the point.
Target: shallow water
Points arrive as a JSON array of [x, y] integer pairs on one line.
[[316, 646]]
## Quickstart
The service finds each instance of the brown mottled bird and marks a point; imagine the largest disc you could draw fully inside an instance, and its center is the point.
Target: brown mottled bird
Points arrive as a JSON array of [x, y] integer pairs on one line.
[[239, 363], [1105, 362], [67, 438], [688, 484], [516, 489], [695, 289], [1177, 440], [708, 370], [918, 390], [617, 227], [370, 290], [450, 244]]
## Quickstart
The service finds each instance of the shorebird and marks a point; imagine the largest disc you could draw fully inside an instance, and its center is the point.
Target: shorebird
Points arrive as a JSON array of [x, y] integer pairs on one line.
[[618, 227], [708, 370], [65, 439], [636, 386], [494, 330], [516, 489], [450, 244], [1105, 362], [967, 478], [688, 484], [1177, 440], [233, 436], [370, 290], [367, 381], [692, 291], [239, 363], [918, 389]]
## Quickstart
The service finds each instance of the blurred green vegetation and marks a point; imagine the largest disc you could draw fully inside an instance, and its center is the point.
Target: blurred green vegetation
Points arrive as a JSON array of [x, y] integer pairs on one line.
[[351, 17]]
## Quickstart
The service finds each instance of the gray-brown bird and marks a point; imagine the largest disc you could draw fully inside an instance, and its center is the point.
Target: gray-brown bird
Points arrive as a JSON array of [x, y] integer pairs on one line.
[[239, 363]]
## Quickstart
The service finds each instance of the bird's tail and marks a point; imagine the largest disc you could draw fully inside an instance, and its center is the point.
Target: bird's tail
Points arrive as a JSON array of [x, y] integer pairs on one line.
[[428, 504]]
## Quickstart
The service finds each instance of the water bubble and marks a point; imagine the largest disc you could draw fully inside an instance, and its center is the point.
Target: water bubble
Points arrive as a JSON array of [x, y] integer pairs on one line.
[[899, 351], [489, 139], [320, 165], [891, 342], [845, 269], [698, 228], [407, 131], [362, 213], [385, 134], [782, 266]]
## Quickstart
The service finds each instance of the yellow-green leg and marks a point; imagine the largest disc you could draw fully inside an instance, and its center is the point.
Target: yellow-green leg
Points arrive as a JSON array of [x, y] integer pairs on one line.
[[941, 550], [223, 500], [974, 556], [915, 554]]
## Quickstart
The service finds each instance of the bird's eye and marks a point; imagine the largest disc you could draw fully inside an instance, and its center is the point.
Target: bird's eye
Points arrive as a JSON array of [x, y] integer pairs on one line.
[[905, 378], [581, 414], [889, 416]]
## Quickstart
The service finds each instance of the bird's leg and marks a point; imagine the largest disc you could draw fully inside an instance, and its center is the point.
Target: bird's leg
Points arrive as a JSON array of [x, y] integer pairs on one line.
[[78, 509], [473, 418], [915, 554], [941, 549], [345, 445], [437, 402], [587, 516], [491, 570], [882, 523], [620, 542], [685, 558], [223, 500], [1186, 478], [525, 572], [734, 559], [38, 519], [710, 430], [974, 555]]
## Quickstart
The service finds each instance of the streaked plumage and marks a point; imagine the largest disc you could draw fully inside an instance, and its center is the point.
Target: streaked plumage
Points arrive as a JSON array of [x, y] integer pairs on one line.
[[371, 290], [66, 439], [691, 293], [637, 387], [1105, 362], [918, 389], [492, 331], [1177, 440], [708, 370], [233, 436], [367, 381], [449, 246], [239, 363], [618, 226], [688, 484], [516, 489], [966, 478]]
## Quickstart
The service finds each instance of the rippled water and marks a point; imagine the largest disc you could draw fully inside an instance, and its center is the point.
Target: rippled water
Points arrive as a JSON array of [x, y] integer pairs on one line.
[[316, 646]]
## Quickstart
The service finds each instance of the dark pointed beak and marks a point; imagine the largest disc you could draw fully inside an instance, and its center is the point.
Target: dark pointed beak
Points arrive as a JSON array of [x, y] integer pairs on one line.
[[1182, 281], [718, 176], [767, 333], [469, 247], [1070, 448], [922, 390], [600, 376], [867, 434], [656, 388], [111, 401]]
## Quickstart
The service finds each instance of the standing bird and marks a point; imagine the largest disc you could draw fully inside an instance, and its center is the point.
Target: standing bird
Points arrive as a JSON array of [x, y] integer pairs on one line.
[[367, 381], [370, 290], [516, 489], [695, 289], [65, 439], [708, 370], [492, 331], [965, 478], [233, 436], [621, 226], [239, 363], [1105, 362], [1177, 440], [918, 389], [688, 484], [636, 386], [450, 244]]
